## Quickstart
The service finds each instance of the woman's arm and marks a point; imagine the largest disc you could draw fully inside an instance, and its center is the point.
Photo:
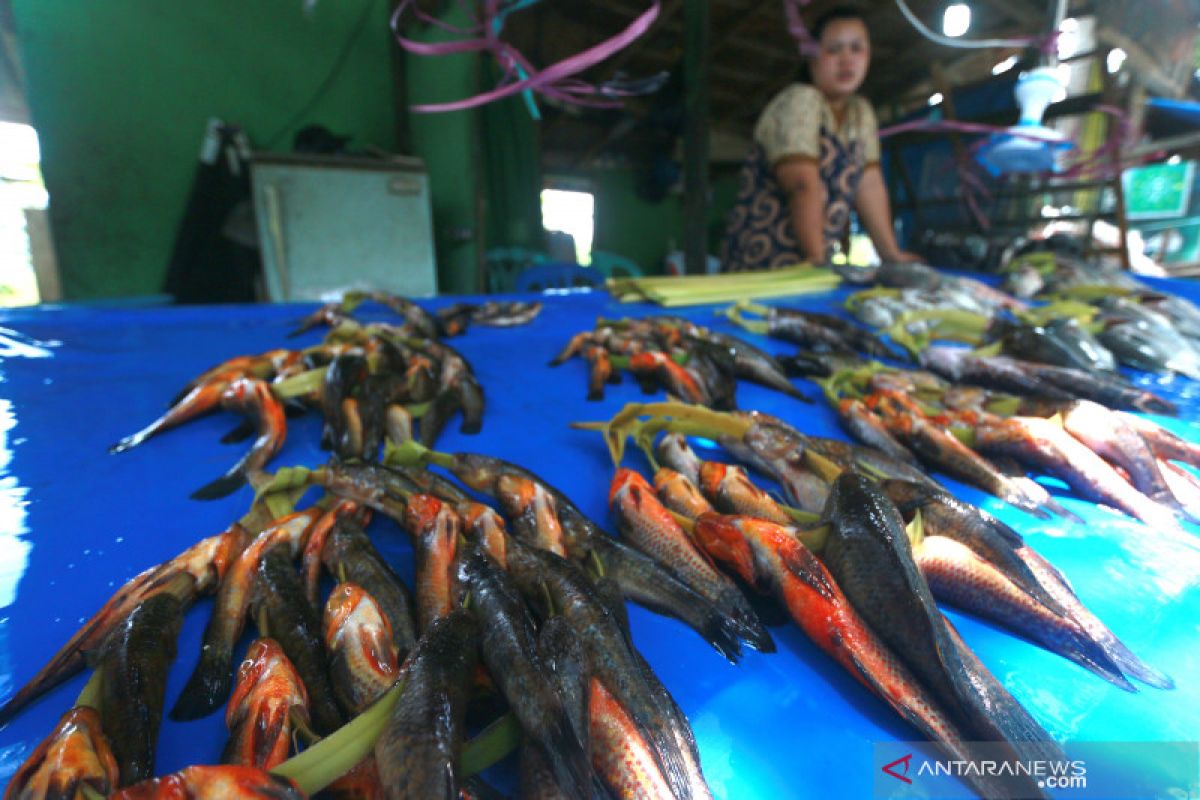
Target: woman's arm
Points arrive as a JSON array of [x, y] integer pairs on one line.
[[876, 215], [801, 181]]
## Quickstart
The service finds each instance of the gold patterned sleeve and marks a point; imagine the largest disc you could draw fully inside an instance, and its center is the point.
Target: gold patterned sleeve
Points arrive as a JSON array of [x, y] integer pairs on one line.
[[790, 125]]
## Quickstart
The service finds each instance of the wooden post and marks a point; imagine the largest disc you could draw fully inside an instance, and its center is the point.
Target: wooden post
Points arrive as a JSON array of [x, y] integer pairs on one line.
[[695, 136]]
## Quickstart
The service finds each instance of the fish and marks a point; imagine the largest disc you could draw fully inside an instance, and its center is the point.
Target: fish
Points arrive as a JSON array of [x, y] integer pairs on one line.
[[868, 554], [646, 523], [255, 398], [732, 492], [363, 659], [198, 401], [317, 538], [1154, 348], [647, 583], [778, 455], [340, 388], [752, 364], [1109, 436], [816, 330], [1166, 445], [958, 576], [509, 647], [621, 755], [659, 368], [679, 494], [1062, 342], [607, 651], [268, 699], [943, 514], [1057, 585], [284, 614], [532, 511], [418, 750], [133, 667], [1043, 443], [352, 556], [641, 579], [483, 525], [769, 557], [213, 783], [569, 676], [714, 368], [943, 451], [75, 754], [435, 529], [209, 684], [206, 562], [674, 451], [864, 425], [600, 372]]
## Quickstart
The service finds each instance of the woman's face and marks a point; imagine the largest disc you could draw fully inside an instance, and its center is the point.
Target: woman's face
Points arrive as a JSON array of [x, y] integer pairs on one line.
[[841, 66]]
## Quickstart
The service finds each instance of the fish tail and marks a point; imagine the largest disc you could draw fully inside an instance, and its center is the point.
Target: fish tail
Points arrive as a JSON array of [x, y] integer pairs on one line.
[[1133, 666], [225, 485], [567, 758], [207, 688]]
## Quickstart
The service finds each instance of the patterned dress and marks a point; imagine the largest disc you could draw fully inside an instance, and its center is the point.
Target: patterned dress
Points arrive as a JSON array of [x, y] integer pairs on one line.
[[797, 124]]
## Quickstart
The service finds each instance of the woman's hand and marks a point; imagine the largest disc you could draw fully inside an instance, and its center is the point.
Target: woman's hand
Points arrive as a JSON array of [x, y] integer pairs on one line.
[[901, 257]]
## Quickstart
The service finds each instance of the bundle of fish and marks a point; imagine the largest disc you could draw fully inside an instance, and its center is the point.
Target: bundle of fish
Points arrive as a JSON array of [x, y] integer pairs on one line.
[[368, 382], [690, 361], [988, 439], [1085, 325], [860, 576], [593, 718], [453, 320]]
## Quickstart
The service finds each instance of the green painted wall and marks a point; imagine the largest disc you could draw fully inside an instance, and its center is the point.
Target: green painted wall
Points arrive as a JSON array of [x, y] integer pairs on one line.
[[121, 90], [643, 231]]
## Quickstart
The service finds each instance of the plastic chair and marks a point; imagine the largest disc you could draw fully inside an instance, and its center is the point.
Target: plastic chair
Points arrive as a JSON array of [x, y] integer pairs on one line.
[[504, 264], [615, 266], [552, 276]]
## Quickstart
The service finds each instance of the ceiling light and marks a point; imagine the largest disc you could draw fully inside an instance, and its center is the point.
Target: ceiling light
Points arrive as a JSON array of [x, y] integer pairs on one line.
[[956, 19], [935, 98], [1116, 57], [1005, 65]]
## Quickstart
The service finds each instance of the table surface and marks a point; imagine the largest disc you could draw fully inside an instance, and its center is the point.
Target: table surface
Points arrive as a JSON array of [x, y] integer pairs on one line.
[[76, 522]]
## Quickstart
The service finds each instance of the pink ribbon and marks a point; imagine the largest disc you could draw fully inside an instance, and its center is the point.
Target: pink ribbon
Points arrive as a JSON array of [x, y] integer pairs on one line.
[[556, 82]]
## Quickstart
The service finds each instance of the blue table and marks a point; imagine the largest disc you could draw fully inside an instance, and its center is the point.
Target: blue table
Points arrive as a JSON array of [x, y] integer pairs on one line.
[[76, 522]]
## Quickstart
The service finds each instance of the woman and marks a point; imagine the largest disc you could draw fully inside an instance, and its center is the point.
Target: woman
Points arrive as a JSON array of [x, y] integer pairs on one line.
[[815, 156]]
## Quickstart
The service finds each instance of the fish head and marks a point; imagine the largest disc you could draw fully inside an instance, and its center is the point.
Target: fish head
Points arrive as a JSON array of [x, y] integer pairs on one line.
[[74, 755], [721, 537]]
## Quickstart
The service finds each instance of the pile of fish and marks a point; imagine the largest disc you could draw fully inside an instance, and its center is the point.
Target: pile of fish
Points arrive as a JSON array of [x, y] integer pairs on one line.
[[860, 577], [594, 718], [989, 439], [676, 355], [369, 381], [1093, 320]]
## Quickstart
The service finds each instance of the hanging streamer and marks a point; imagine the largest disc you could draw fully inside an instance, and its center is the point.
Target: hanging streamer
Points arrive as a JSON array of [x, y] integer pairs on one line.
[[518, 76]]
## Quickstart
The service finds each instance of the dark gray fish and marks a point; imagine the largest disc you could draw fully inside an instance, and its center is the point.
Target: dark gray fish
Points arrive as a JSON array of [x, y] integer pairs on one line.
[[294, 624], [1062, 342], [350, 555], [869, 555], [133, 669], [1151, 348], [510, 652], [540, 574], [755, 365], [418, 750]]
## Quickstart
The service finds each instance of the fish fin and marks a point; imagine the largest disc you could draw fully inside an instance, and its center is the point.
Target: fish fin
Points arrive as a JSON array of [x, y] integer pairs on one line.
[[129, 442], [241, 433], [225, 485], [207, 688], [567, 757], [1134, 667]]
